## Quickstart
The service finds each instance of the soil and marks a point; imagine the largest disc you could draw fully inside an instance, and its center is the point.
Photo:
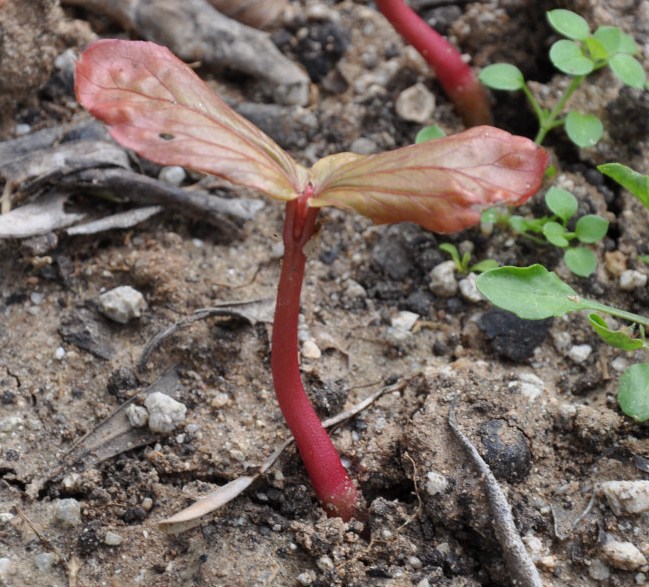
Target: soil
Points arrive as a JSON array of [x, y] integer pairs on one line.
[[545, 418]]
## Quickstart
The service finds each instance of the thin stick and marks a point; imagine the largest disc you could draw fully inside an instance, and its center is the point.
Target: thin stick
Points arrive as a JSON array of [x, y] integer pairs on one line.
[[521, 568]]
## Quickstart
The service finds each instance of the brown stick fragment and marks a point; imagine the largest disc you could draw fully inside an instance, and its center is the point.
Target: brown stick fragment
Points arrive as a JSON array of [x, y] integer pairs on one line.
[[195, 31], [521, 568]]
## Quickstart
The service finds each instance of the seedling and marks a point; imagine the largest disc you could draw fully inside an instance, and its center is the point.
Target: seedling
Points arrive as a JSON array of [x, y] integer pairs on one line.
[[534, 293], [463, 262], [588, 229], [155, 104], [453, 73], [579, 54]]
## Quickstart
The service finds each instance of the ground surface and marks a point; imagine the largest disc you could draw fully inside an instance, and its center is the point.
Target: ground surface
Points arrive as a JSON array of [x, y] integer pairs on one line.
[[428, 523]]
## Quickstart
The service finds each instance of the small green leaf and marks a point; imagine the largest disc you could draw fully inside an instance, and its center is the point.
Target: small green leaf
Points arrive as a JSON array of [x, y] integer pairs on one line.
[[518, 224], [584, 130], [568, 24], [451, 249], [636, 183], [482, 266], [580, 261], [616, 338], [502, 76], [628, 69], [561, 202], [613, 40], [555, 234], [644, 258], [633, 392], [596, 50], [532, 293], [568, 57], [429, 133], [591, 228]]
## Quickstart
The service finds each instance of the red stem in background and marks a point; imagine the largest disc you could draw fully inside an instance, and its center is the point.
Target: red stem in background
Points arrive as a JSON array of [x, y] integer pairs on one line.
[[332, 485], [455, 76]]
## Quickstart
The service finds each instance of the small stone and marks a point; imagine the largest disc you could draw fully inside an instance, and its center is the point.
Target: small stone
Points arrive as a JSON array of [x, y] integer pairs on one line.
[[529, 386], [442, 280], [632, 279], [615, 262], [627, 497], [173, 174], [10, 424], [147, 504], [598, 570], [623, 555], [415, 104], [22, 129], [363, 146], [5, 518], [122, 304], [579, 352], [45, 561], [469, 290], [112, 539], [59, 353], [404, 320], [436, 483], [324, 563], [306, 578], [220, 400], [310, 350], [165, 413], [137, 416], [506, 450], [354, 290], [67, 513], [6, 571]]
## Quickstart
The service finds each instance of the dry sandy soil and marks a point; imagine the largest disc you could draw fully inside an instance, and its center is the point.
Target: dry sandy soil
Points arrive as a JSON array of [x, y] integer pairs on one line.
[[547, 424]]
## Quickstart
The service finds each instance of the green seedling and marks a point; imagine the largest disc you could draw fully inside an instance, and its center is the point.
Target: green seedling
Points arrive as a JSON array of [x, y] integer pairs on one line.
[[463, 262], [554, 230], [577, 55], [634, 182], [534, 293]]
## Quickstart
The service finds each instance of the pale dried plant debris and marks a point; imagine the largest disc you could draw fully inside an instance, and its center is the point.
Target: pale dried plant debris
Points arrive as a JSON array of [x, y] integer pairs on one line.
[[521, 568], [197, 32]]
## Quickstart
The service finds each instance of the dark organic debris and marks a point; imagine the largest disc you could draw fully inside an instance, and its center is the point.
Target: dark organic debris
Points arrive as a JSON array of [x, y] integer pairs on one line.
[[82, 329]]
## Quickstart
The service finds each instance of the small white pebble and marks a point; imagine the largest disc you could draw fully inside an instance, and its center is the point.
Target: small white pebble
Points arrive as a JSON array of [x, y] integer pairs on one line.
[[436, 483], [580, 352], [147, 504], [165, 413], [22, 129], [623, 555], [113, 539], [627, 497], [415, 104], [122, 304], [306, 578], [619, 364], [442, 280], [10, 424], [138, 416], [5, 518], [632, 279], [469, 290], [404, 320], [363, 146], [220, 400], [173, 174], [67, 513], [45, 561], [310, 349], [59, 353], [324, 563], [598, 570]]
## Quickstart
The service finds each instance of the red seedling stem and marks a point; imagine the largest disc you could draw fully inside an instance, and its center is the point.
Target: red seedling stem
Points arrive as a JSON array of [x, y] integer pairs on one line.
[[332, 485], [455, 76]]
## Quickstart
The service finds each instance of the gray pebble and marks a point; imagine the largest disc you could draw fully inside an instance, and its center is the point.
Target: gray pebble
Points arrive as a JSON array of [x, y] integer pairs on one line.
[[165, 413], [67, 513], [442, 280], [579, 352], [10, 424], [623, 555], [6, 571], [45, 561], [112, 539], [506, 450], [415, 104], [627, 497], [137, 416], [122, 304], [632, 279], [363, 146], [173, 174], [469, 290]]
